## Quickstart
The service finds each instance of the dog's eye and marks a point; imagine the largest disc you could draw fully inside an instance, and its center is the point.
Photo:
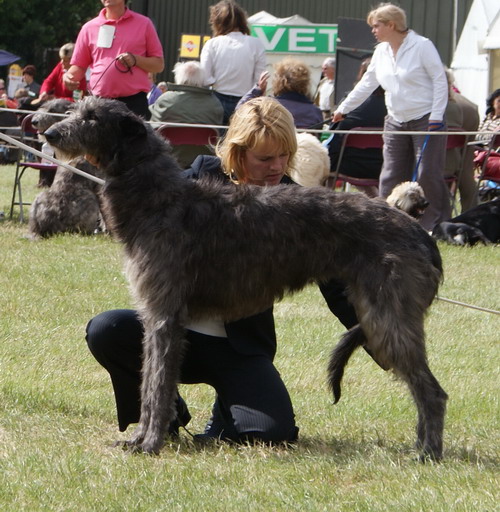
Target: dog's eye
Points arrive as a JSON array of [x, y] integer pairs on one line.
[[89, 120]]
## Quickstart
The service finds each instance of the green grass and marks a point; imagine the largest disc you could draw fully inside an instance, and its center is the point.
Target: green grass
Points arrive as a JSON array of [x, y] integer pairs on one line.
[[57, 419]]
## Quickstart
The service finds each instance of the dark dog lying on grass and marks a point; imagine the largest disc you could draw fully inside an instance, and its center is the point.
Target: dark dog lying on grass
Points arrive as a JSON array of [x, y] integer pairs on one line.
[[71, 204], [198, 249], [479, 224]]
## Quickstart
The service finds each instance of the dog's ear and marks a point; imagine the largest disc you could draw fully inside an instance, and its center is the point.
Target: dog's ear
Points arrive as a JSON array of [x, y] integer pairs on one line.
[[132, 128], [132, 134]]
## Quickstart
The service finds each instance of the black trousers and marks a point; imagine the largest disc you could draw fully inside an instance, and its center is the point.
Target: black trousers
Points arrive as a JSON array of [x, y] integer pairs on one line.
[[137, 103], [252, 400]]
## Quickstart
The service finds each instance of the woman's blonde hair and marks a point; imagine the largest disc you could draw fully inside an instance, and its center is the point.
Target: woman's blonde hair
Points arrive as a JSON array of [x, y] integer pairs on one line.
[[291, 75], [387, 12], [227, 16], [253, 124]]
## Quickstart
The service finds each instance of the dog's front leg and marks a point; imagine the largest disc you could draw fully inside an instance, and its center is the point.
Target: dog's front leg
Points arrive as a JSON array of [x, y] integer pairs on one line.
[[163, 344], [140, 431]]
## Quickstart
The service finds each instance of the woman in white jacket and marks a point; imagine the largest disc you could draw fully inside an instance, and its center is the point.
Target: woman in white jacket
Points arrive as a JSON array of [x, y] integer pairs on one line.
[[232, 60], [408, 67]]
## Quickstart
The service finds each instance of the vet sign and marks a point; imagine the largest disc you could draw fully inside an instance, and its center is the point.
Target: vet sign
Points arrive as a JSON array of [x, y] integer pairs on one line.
[[297, 39]]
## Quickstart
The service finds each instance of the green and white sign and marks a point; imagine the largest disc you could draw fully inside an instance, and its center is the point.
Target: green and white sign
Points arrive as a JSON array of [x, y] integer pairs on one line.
[[297, 39]]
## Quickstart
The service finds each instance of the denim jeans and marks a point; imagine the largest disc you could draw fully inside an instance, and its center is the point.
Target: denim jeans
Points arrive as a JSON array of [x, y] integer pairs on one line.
[[228, 104]]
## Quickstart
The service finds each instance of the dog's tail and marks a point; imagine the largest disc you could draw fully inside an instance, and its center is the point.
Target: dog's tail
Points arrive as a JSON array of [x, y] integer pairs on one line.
[[341, 354]]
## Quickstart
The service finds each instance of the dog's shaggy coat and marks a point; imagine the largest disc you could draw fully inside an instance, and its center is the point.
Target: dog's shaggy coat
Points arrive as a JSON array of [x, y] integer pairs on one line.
[[203, 249], [71, 204]]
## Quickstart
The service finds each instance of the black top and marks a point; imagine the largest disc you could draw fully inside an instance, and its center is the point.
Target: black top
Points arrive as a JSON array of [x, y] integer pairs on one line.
[[356, 162]]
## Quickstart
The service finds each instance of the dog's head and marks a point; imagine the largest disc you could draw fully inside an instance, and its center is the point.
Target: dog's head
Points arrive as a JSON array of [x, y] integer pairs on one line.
[[105, 131], [43, 119], [410, 198]]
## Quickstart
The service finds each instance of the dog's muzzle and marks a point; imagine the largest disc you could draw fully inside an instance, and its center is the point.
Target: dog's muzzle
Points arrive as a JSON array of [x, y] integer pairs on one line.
[[52, 136]]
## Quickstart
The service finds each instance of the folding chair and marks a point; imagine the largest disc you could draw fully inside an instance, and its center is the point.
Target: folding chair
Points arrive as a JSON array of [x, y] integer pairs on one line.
[[189, 142], [28, 136], [360, 141], [456, 141]]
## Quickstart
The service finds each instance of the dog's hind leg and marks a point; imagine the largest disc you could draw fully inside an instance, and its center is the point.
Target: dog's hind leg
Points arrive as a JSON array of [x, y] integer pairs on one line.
[[430, 399], [398, 342], [409, 362], [163, 351]]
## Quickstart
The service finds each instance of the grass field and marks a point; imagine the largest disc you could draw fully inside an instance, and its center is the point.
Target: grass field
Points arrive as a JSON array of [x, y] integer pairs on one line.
[[57, 419]]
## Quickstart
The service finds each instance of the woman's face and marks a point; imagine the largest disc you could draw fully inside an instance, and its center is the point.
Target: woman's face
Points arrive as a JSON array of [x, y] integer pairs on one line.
[[266, 164], [496, 106], [27, 78], [382, 31], [65, 62]]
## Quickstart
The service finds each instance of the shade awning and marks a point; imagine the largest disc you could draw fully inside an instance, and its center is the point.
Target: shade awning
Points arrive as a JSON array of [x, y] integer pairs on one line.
[[7, 58]]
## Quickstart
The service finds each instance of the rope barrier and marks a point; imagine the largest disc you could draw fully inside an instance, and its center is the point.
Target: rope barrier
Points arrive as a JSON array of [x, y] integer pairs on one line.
[[21, 145], [471, 306], [224, 127]]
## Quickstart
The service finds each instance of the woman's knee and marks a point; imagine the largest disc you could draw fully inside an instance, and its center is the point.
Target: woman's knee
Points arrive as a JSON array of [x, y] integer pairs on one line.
[[113, 330]]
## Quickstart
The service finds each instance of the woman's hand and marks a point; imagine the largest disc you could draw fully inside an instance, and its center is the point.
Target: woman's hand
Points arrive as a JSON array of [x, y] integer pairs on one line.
[[337, 116], [263, 79]]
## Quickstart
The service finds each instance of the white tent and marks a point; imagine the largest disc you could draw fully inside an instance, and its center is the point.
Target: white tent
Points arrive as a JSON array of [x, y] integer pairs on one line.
[[492, 41], [264, 18], [471, 61]]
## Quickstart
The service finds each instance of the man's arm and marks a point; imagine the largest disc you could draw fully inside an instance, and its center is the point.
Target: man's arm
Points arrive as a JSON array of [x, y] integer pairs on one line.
[[72, 77]]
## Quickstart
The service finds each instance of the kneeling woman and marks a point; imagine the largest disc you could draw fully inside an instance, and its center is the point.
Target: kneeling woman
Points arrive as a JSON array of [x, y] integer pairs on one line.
[[235, 358]]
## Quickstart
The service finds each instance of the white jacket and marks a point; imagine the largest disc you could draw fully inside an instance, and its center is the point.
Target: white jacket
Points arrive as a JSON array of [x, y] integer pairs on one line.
[[233, 63], [414, 82]]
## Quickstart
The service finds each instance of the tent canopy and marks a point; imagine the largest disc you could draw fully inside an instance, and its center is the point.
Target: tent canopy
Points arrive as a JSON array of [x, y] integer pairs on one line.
[[264, 18], [7, 58]]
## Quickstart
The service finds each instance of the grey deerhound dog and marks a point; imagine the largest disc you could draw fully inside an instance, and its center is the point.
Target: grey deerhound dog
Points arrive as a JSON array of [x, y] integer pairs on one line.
[[201, 249], [71, 204]]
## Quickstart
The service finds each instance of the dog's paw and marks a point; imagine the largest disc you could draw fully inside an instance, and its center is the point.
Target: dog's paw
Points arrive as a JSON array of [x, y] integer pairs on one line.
[[429, 455], [130, 446], [148, 448]]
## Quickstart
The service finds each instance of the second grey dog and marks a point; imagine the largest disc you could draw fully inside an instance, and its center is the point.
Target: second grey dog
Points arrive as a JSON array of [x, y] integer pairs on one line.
[[198, 249], [72, 203]]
